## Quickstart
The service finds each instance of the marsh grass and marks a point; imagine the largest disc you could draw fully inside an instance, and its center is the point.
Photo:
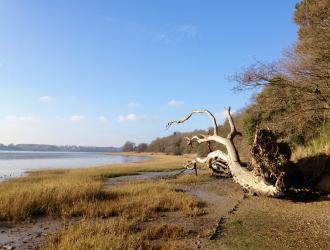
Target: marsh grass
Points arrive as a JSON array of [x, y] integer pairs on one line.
[[124, 220], [79, 192], [117, 217], [117, 234]]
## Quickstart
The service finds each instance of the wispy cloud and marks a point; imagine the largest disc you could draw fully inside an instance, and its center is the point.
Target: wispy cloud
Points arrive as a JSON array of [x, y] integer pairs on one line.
[[187, 31], [129, 118], [174, 103], [102, 118], [178, 34], [45, 98], [134, 104], [20, 119], [77, 118]]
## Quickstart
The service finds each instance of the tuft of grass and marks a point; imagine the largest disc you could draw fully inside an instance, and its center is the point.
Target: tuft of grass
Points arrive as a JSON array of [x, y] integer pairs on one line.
[[235, 222], [317, 146]]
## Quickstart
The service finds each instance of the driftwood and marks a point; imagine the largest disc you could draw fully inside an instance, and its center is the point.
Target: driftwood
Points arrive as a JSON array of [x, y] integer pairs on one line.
[[229, 161], [273, 173]]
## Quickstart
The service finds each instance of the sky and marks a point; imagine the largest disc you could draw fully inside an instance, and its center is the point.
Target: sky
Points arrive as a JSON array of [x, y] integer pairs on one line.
[[104, 72]]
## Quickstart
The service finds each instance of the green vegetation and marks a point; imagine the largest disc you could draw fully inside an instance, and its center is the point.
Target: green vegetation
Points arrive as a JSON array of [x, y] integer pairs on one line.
[[235, 222]]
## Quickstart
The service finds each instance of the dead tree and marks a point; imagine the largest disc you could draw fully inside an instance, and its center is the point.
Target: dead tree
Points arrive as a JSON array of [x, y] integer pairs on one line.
[[229, 161]]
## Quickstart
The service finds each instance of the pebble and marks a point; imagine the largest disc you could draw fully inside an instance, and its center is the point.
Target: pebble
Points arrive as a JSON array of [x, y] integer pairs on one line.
[[8, 247]]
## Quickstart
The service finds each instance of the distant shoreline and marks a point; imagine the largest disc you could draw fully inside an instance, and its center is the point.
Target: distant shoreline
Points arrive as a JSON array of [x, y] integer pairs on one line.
[[55, 148]]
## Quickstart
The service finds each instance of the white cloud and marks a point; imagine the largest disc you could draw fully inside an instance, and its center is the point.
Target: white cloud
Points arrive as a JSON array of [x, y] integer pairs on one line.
[[20, 119], [178, 34], [103, 118], [45, 98], [187, 31], [77, 118], [134, 104], [129, 118], [175, 103]]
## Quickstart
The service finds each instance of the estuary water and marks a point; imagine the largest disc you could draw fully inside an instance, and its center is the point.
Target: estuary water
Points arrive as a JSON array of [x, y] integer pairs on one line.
[[17, 163]]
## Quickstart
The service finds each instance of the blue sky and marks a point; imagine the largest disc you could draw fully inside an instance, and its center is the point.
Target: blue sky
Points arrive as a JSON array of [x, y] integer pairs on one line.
[[103, 72]]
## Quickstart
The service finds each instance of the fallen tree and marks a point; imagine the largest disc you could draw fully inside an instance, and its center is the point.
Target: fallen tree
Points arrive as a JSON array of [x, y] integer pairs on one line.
[[273, 173]]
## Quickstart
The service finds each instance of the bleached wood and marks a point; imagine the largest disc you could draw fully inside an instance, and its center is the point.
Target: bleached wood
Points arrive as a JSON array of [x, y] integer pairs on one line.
[[241, 175]]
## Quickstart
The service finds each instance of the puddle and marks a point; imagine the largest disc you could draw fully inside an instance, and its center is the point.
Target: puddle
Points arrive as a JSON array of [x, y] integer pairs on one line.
[[141, 176]]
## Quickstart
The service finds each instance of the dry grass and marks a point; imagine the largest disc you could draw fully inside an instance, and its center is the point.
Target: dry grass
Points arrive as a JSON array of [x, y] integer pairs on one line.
[[192, 179], [311, 150], [318, 146], [118, 234], [71, 192], [124, 217], [112, 218]]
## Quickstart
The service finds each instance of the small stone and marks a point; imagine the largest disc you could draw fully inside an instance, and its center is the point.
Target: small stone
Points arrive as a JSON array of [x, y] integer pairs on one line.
[[8, 247]]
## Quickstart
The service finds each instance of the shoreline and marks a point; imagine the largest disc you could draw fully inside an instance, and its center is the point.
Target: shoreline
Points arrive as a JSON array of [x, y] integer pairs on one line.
[[203, 208], [68, 163]]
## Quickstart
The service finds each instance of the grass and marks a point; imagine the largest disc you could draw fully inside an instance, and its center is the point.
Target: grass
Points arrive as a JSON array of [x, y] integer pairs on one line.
[[115, 217], [191, 179], [70, 192], [125, 218], [235, 222], [134, 207], [117, 234], [317, 146]]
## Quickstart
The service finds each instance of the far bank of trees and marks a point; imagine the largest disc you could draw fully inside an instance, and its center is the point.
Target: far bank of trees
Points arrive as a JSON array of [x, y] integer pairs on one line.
[[132, 147]]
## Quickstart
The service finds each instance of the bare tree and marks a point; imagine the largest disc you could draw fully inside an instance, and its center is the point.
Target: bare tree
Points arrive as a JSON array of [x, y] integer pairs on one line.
[[128, 146], [142, 147]]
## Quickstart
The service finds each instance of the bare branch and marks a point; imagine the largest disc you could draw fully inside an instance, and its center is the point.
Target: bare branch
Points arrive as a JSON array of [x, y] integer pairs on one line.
[[233, 132], [214, 121]]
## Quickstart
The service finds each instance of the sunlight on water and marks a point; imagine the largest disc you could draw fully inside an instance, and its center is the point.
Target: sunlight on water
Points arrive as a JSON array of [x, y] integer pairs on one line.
[[17, 163]]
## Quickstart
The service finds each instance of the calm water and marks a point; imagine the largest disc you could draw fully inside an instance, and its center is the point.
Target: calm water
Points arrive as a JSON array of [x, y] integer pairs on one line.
[[17, 163]]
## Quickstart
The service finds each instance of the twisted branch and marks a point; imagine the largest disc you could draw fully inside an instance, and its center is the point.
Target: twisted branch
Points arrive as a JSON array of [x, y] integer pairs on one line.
[[214, 121]]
